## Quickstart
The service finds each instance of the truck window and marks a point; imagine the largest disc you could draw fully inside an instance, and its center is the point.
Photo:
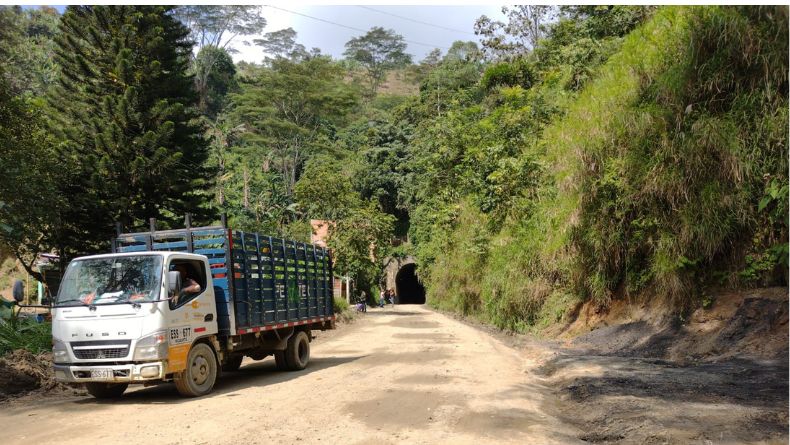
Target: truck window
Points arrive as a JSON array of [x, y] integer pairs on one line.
[[111, 280], [193, 281]]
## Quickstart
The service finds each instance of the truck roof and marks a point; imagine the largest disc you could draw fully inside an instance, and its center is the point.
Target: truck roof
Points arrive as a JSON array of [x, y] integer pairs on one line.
[[164, 253]]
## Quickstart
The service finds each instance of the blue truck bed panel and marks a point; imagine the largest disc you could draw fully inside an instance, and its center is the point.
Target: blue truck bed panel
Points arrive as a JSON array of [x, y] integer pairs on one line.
[[258, 280]]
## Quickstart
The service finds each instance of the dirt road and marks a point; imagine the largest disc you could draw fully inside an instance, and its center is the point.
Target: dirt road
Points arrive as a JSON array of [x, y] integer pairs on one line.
[[410, 375], [404, 375]]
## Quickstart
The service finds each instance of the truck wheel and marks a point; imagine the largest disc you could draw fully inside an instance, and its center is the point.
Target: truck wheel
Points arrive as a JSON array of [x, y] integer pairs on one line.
[[233, 364], [297, 354], [279, 360], [106, 390], [201, 372]]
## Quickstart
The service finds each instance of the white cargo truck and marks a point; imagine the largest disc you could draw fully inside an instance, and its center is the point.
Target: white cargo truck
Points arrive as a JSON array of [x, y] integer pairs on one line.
[[184, 305]]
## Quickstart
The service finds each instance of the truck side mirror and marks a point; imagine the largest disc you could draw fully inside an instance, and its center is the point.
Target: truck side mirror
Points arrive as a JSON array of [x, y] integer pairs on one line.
[[19, 291], [173, 282]]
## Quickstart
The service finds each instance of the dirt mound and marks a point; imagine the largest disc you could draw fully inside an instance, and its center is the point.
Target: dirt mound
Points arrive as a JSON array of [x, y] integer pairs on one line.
[[749, 323], [22, 372]]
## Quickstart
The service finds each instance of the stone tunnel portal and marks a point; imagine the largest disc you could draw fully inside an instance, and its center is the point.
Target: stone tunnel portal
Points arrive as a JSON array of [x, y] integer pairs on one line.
[[407, 288]]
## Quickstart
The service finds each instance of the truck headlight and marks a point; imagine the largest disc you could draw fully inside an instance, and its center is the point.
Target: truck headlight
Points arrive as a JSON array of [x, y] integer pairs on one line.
[[60, 353], [152, 347]]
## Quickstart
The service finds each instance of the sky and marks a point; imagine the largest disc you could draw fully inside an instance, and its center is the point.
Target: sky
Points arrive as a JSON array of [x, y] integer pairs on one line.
[[440, 27]]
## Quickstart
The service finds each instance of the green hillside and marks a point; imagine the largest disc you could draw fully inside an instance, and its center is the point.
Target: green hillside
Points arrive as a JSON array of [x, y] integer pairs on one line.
[[614, 152], [664, 175]]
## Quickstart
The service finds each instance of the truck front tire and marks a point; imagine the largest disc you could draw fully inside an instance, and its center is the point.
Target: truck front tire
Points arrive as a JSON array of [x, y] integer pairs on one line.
[[106, 390], [201, 373]]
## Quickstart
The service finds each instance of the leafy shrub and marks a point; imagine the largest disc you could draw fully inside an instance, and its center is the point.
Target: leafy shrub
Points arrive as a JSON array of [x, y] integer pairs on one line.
[[340, 305], [457, 271], [515, 73], [24, 334]]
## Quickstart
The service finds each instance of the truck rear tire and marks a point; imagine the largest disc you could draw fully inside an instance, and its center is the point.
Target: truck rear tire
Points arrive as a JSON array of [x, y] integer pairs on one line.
[[297, 354], [106, 390], [233, 364], [279, 360], [201, 373]]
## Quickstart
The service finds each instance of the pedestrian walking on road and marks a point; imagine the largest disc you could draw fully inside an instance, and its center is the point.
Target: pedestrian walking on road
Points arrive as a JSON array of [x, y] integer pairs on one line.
[[363, 303]]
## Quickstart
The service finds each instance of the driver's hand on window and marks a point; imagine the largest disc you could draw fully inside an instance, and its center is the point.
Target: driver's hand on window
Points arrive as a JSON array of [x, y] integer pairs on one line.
[[190, 287], [88, 298]]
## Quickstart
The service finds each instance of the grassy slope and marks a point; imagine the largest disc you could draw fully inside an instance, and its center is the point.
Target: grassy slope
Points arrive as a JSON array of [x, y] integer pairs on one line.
[[653, 177]]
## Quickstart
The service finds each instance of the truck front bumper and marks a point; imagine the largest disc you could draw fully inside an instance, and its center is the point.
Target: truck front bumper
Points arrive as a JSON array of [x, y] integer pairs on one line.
[[126, 373]]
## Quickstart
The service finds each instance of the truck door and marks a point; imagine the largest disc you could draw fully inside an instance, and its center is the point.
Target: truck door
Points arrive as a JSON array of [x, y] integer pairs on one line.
[[192, 310]]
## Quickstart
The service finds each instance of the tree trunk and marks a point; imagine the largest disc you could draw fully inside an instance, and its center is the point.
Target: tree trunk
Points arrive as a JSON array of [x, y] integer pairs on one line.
[[29, 267], [246, 189], [220, 190]]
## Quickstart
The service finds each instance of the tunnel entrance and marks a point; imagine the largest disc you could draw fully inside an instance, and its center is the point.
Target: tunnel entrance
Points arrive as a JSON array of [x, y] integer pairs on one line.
[[407, 288]]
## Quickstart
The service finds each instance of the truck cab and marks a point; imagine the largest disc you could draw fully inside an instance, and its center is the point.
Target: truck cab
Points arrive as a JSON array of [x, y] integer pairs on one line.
[[134, 318]]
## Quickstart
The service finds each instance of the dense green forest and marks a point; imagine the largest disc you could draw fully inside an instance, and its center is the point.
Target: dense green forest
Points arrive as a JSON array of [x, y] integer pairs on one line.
[[575, 154]]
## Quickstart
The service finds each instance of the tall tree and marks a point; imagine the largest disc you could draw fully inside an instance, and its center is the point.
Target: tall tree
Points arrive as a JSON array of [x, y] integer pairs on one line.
[[221, 134], [325, 190], [359, 241], [125, 111], [10, 37], [282, 45], [220, 78], [418, 72], [603, 21], [30, 172], [525, 27], [288, 111], [217, 26], [460, 69], [379, 51], [27, 48]]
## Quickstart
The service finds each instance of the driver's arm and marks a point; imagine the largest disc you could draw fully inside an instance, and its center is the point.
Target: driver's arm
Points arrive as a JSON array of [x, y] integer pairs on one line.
[[191, 286]]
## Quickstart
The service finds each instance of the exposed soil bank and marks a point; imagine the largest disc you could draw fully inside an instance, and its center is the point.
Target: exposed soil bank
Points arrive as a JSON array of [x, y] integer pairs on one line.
[[719, 377], [750, 323]]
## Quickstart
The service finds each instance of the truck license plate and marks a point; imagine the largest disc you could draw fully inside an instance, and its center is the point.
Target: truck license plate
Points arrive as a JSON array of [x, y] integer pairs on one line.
[[101, 374]]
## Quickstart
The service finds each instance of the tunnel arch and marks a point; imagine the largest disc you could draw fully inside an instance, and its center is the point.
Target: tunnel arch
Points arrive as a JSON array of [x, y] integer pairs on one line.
[[408, 288]]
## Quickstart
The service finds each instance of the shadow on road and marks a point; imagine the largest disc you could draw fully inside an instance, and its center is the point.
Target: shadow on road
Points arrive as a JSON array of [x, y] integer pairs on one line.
[[260, 373], [397, 312]]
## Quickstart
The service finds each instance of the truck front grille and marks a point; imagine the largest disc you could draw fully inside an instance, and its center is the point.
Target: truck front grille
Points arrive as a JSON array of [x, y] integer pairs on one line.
[[98, 350]]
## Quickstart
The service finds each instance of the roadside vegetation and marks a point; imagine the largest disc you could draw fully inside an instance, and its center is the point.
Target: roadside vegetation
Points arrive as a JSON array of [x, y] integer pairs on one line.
[[654, 169], [27, 334], [577, 154]]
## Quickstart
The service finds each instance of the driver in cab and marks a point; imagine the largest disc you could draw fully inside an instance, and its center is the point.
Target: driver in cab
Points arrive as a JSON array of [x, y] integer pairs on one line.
[[188, 285]]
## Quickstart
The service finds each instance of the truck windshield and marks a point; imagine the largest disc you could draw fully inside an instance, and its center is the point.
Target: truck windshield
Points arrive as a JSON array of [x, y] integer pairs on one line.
[[111, 280]]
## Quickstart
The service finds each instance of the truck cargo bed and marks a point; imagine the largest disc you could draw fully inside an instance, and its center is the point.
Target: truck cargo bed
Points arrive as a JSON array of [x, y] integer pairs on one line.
[[260, 282]]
